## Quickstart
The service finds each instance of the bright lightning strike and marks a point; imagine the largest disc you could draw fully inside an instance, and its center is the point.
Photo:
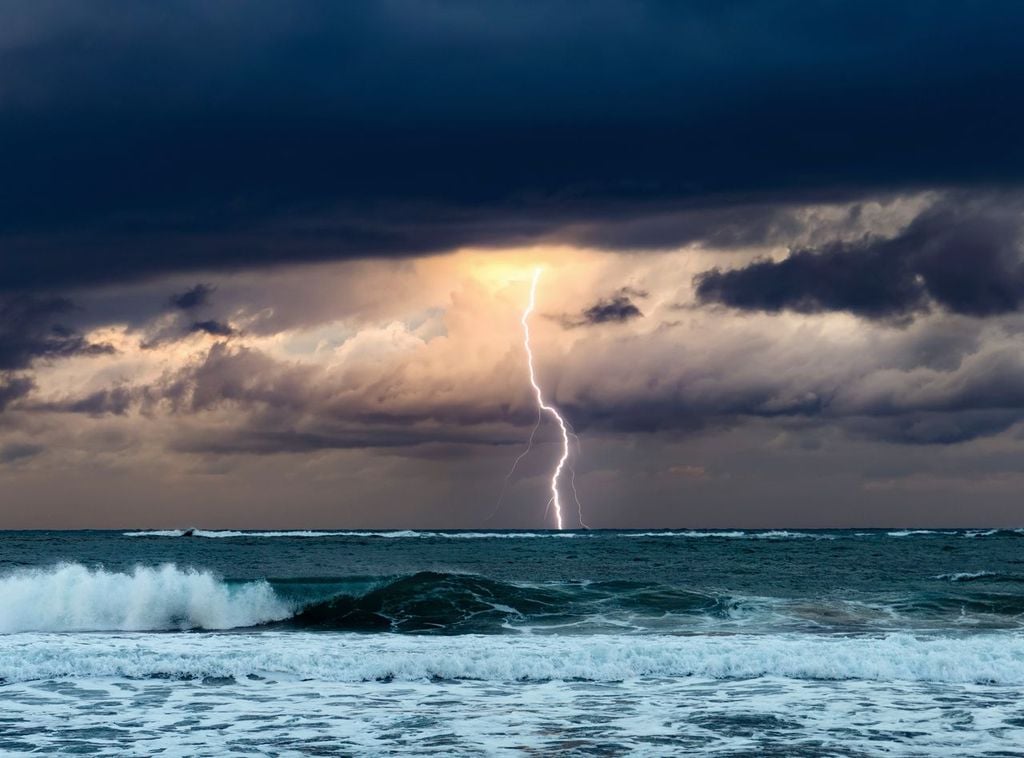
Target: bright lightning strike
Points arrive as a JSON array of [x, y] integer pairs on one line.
[[546, 408]]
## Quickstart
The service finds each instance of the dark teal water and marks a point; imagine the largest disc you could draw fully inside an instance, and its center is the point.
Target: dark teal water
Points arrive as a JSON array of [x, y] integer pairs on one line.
[[458, 582], [851, 643]]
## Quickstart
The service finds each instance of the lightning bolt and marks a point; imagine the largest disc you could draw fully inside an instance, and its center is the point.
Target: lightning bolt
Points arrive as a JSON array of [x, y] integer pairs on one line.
[[544, 407]]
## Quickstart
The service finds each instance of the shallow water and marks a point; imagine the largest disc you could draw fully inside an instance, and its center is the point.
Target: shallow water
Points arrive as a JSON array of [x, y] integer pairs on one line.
[[899, 642]]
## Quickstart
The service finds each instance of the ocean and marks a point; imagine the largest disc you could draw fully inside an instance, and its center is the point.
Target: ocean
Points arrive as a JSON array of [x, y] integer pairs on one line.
[[738, 643]]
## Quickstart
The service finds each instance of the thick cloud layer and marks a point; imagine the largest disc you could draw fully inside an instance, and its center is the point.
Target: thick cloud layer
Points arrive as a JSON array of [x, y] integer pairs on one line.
[[449, 369], [964, 255], [147, 139], [409, 405]]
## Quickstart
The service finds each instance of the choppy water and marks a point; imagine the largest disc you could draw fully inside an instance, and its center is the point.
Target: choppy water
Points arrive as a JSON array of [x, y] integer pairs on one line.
[[898, 642]]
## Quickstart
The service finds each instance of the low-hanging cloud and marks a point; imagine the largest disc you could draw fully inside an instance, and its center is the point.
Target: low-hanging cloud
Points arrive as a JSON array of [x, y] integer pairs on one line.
[[962, 254]]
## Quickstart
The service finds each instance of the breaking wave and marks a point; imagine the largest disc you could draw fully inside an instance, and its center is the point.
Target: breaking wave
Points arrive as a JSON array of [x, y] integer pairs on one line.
[[71, 597]]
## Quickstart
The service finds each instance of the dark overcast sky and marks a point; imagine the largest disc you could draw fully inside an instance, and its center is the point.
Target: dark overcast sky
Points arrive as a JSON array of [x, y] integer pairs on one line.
[[152, 137], [219, 226]]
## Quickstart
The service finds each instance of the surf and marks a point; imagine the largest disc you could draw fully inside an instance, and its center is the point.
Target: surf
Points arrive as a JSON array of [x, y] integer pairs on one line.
[[985, 659]]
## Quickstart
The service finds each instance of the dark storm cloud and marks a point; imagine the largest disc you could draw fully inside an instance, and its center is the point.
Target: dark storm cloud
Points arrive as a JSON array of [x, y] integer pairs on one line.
[[116, 401], [736, 225], [618, 308], [934, 428], [211, 326], [615, 309], [19, 451], [32, 327], [192, 298], [137, 139], [12, 388], [962, 254], [256, 437], [181, 330], [677, 416]]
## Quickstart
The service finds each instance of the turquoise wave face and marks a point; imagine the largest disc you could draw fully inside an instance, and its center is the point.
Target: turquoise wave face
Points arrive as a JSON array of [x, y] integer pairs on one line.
[[434, 602], [438, 603]]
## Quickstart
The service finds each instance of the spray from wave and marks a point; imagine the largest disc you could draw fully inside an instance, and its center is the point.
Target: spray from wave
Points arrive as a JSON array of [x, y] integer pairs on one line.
[[71, 597]]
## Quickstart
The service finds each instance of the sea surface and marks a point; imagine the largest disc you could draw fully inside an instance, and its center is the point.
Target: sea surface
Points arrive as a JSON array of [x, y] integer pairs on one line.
[[735, 643]]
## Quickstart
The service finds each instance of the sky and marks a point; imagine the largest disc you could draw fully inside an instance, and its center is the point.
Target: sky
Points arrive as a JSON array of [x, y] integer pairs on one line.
[[262, 265]]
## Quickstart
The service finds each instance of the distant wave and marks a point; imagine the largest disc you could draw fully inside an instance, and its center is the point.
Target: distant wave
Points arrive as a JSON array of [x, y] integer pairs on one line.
[[913, 532], [774, 534], [970, 533], [983, 576], [980, 658], [736, 534], [967, 576], [408, 534], [397, 534]]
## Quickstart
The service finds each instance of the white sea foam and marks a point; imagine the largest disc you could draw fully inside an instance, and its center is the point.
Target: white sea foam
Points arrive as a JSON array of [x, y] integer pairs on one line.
[[650, 717], [71, 597], [995, 658]]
